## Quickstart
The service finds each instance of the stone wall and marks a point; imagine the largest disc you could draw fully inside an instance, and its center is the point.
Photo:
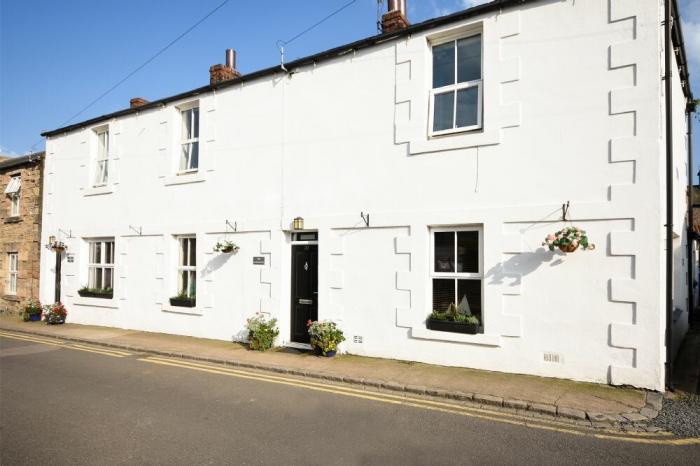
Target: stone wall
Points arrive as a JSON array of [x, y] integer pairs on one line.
[[21, 234]]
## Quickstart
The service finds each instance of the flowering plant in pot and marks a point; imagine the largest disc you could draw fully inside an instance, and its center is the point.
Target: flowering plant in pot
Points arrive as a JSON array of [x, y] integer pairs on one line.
[[226, 247], [32, 311], [325, 337], [261, 332], [55, 313], [568, 240]]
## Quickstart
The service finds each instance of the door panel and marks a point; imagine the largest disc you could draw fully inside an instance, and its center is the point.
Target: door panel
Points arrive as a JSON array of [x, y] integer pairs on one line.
[[304, 289]]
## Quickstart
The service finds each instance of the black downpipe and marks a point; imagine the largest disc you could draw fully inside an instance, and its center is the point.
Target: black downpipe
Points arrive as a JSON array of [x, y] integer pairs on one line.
[[668, 56], [691, 223]]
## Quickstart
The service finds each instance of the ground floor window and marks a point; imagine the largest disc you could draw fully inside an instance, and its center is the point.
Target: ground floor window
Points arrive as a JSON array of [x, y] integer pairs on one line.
[[101, 264], [13, 265], [456, 276], [187, 267]]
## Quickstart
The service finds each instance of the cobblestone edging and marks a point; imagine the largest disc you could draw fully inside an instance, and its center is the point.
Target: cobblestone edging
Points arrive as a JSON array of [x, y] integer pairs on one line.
[[624, 421]]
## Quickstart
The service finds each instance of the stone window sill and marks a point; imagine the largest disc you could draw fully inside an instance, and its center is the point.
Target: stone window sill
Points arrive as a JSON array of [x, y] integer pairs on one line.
[[184, 178], [98, 191], [15, 219], [190, 311], [483, 339], [11, 297], [96, 302]]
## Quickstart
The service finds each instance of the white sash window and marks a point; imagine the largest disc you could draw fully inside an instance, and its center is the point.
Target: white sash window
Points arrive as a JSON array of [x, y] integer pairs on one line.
[[187, 267], [189, 159], [13, 261], [102, 159], [101, 264]]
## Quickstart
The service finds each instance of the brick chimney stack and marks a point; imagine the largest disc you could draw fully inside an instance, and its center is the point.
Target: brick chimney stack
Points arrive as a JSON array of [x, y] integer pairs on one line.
[[395, 19], [219, 73], [137, 102]]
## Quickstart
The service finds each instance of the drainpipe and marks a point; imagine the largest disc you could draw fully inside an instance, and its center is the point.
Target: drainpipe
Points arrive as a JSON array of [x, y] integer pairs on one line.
[[668, 57], [691, 224]]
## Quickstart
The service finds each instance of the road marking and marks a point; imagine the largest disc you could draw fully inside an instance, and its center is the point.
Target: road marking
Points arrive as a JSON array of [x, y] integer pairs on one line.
[[74, 346], [14, 337], [543, 424]]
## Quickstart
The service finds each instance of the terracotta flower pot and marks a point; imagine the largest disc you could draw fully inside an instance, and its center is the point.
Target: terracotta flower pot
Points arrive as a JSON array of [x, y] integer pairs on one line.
[[568, 248]]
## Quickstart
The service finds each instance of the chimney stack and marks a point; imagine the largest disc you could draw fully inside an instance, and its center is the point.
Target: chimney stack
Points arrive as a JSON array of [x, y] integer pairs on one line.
[[219, 73], [137, 102], [395, 19]]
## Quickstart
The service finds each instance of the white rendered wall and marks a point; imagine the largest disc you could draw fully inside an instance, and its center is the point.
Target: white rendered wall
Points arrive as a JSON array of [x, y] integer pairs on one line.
[[572, 112]]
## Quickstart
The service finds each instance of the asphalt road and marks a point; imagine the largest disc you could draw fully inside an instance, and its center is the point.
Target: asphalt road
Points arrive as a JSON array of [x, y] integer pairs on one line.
[[61, 405]]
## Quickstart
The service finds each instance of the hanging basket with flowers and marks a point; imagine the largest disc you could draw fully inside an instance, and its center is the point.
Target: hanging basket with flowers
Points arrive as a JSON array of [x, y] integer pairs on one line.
[[568, 239], [226, 247], [57, 246]]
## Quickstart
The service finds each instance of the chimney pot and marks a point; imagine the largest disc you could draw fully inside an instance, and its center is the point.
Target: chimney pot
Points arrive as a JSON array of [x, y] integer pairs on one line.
[[137, 102], [395, 18]]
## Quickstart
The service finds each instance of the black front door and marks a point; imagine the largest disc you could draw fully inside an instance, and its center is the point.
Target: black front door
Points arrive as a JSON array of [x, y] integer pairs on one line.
[[304, 289]]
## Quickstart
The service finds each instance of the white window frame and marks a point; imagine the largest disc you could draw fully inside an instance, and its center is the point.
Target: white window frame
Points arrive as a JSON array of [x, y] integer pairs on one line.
[[101, 158], [102, 264], [457, 275], [189, 141], [13, 272], [13, 192], [455, 88], [183, 265]]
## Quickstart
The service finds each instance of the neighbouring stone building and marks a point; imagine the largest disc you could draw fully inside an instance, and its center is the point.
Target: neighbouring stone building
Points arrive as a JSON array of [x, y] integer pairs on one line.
[[20, 230]]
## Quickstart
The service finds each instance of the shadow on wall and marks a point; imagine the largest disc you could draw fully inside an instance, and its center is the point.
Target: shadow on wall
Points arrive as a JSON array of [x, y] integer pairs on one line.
[[514, 269], [215, 264]]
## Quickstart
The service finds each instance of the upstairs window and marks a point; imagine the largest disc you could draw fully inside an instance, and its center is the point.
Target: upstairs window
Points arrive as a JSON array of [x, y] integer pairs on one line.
[[13, 261], [187, 267], [189, 159], [102, 159], [12, 191], [101, 265], [456, 94]]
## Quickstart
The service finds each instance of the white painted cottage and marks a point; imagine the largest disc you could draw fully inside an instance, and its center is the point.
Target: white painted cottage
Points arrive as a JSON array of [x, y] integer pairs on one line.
[[427, 164]]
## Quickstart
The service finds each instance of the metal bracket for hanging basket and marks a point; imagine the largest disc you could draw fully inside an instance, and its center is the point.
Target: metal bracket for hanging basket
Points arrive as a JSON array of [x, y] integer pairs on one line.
[[564, 211]]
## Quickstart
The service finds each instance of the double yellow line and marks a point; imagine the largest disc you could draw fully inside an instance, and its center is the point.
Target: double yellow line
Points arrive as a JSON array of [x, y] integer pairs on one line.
[[62, 344], [661, 438]]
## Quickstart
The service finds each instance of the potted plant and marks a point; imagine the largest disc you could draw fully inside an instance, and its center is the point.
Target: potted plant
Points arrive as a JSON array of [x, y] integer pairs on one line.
[[182, 300], [103, 293], [226, 247], [32, 311], [55, 313], [261, 332], [325, 337], [453, 320], [568, 240]]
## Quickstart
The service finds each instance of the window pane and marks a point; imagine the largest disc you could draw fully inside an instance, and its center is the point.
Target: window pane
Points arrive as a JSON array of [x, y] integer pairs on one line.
[[194, 156], [468, 251], [467, 106], [195, 123], [469, 297], [193, 252], [98, 277], [443, 65], [183, 282], [443, 293], [469, 59], [192, 288], [108, 278], [98, 252], [445, 252], [443, 117], [186, 124], [183, 251], [109, 252], [185, 159]]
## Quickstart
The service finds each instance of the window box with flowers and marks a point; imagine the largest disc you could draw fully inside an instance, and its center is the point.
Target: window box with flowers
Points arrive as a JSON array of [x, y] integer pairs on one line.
[[453, 320], [102, 293]]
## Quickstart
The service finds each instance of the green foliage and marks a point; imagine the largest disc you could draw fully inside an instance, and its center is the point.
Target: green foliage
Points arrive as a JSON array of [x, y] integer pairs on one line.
[[261, 332], [226, 246], [568, 237], [33, 307], [455, 314], [325, 335], [54, 313], [87, 289]]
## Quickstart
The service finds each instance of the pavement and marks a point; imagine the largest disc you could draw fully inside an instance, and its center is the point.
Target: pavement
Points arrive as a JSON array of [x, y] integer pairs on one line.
[[584, 403], [63, 402]]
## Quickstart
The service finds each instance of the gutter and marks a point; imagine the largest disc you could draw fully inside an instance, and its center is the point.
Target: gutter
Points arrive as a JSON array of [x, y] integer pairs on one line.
[[691, 221]]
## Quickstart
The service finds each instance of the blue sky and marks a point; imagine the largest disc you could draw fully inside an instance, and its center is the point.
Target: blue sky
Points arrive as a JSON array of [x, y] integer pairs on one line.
[[57, 56]]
